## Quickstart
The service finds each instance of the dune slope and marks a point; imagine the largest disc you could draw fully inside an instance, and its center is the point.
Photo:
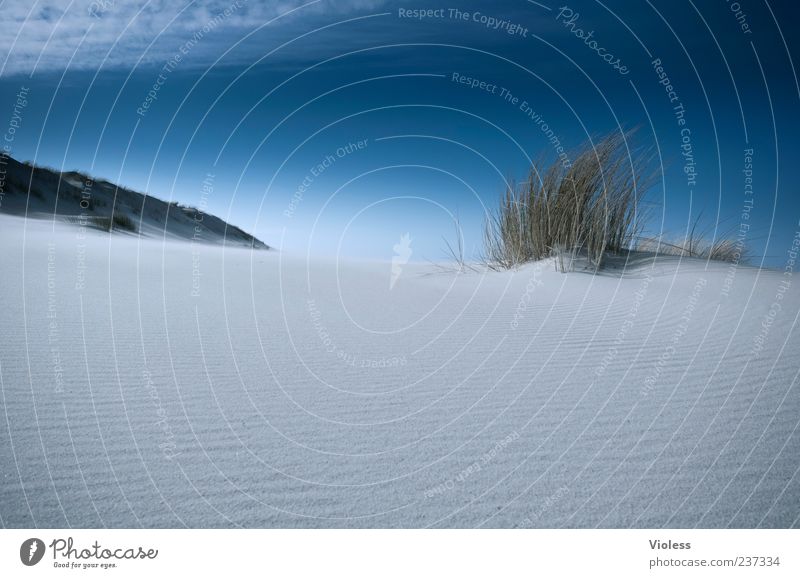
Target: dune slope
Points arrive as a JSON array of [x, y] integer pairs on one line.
[[78, 199]]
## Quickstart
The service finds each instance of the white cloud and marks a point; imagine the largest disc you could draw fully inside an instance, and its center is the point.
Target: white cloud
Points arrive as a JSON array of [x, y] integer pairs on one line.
[[45, 35]]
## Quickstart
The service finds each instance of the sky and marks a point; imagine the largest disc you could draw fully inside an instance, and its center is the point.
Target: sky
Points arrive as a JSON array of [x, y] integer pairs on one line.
[[336, 127]]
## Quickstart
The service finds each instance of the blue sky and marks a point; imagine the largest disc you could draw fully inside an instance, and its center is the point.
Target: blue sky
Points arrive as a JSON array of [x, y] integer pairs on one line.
[[336, 127]]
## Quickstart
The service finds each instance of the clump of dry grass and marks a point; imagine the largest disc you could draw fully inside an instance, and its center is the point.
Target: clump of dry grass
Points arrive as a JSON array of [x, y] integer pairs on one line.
[[589, 207]]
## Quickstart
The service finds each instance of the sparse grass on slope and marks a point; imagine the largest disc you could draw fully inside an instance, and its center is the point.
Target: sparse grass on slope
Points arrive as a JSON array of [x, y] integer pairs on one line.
[[123, 221], [727, 250]]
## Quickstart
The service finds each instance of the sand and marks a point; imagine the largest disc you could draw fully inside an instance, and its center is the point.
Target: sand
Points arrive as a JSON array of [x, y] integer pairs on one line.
[[146, 383]]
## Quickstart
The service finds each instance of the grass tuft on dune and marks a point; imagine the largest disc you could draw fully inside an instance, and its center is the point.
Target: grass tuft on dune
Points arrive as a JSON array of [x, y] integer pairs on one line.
[[588, 208]]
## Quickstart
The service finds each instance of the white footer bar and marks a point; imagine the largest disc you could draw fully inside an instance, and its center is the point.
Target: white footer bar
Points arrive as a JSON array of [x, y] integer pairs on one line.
[[401, 553]]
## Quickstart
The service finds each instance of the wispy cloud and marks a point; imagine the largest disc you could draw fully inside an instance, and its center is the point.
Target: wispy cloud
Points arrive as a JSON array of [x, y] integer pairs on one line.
[[50, 35]]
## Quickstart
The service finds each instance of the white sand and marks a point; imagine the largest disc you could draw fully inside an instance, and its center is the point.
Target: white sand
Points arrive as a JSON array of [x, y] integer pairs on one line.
[[517, 399]]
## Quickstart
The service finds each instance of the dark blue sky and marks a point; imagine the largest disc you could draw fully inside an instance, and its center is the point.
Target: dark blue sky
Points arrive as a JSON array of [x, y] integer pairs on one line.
[[275, 108]]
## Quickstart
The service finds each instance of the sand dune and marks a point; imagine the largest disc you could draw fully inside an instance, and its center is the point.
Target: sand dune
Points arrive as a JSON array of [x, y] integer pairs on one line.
[[149, 383], [78, 199]]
